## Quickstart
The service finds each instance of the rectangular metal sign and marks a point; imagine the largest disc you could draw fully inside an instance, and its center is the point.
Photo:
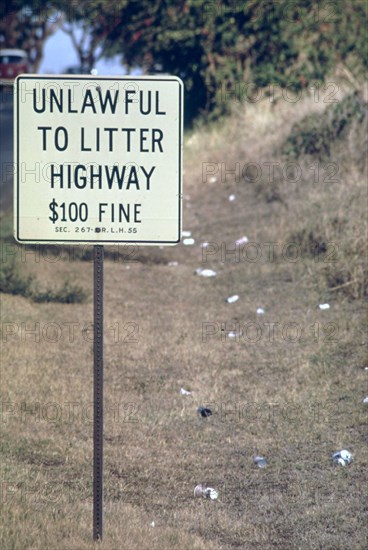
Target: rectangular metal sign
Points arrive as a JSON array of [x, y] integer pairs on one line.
[[98, 159]]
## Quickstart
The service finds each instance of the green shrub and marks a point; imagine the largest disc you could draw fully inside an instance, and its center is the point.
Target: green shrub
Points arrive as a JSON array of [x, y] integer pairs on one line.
[[67, 294], [13, 282], [316, 135]]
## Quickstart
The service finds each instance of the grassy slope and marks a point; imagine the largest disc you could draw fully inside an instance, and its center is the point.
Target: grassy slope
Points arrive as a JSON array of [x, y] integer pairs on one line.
[[294, 402]]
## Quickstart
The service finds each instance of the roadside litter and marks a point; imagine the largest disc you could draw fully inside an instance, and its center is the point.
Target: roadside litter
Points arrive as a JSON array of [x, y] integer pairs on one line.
[[188, 241], [232, 198], [324, 306], [242, 240], [260, 311], [172, 264], [186, 233], [343, 458], [205, 272], [365, 400], [232, 334], [204, 411], [260, 461], [185, 392], [232, 299], [205, 492]]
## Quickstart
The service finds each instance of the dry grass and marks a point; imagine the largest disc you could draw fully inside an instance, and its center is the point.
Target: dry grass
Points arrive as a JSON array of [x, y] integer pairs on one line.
[[293, 401]]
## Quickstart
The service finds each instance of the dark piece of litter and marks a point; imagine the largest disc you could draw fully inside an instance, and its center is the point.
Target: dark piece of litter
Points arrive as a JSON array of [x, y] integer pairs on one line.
[[204, 412]]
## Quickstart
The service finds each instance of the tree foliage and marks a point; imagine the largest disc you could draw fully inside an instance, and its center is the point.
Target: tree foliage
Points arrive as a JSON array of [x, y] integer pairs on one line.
[[216, 46], [27, 25]]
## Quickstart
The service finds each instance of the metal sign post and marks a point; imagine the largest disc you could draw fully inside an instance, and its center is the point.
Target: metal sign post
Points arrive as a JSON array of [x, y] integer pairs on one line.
[[98, 257], [99, 162]]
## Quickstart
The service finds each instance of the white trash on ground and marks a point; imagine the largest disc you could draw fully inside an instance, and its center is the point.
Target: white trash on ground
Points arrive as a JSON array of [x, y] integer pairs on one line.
[[186, 233], [242, 240], [205, 272], [233, 334], [232, 299], [260, 461], [205, 492], [343, 458], [205, 244], [232, 198], [260, 311], [365, 400], [173, 264], [188, 241], [183, 391], [324, 306]]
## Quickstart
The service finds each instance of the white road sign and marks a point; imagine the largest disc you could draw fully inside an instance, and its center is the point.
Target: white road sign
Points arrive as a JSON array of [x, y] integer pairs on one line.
[[98, 159]]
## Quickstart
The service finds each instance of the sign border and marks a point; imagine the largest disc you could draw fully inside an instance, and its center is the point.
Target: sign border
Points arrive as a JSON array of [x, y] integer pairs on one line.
[[117, 78]]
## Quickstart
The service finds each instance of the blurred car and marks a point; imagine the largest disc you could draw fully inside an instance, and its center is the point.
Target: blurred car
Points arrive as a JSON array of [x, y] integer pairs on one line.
[[12, 63]]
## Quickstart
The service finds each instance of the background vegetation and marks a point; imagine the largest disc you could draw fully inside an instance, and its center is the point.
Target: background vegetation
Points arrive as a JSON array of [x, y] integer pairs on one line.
[[294, 400], [215, 47]]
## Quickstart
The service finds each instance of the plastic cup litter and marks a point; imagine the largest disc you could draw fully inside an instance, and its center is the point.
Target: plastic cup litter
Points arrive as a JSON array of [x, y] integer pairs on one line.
[[242, 240], [232, 299], [260, 311], [324, 306], [186, 233], [231, 198]]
